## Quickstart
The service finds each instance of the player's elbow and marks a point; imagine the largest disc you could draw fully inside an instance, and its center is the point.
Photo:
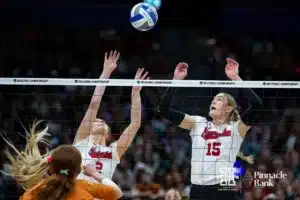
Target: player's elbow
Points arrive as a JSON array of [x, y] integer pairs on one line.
[[94, 104], [135, 125], [173, 116]]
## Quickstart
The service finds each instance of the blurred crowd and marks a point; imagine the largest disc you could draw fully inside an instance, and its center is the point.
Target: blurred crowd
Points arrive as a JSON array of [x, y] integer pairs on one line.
[[159, 158]]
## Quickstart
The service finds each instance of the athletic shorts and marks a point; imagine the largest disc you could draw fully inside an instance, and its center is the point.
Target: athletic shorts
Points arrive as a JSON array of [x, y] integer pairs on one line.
[[212, 192]]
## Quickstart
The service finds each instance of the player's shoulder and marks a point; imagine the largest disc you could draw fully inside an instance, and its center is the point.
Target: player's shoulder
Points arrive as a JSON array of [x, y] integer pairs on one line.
[[82, 143], [82, 182], [89, 186], [27, 195], [85, 184], [32, 192], [236, 125], [199, 122], [199, 119]]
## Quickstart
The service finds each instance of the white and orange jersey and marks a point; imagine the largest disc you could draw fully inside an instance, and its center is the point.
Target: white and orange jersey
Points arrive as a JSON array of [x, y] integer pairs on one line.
[[105, 158]]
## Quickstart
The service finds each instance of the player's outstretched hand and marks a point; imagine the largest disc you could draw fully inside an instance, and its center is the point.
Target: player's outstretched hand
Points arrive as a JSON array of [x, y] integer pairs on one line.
[[181, 71], [232, 69], [110, 61], [89, 170], [140, 75]]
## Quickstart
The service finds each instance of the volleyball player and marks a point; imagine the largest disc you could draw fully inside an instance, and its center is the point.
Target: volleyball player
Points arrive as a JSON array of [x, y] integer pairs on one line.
[[61, 184], [92, 147], [92, 133], [52, 175], [216, 142]]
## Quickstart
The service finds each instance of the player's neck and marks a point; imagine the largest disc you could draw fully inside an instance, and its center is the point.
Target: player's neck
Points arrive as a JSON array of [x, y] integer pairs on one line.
[[219, 122], [100, 140]]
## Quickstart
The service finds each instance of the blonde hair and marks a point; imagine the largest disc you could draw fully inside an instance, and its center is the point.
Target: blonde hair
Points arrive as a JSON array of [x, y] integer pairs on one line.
[[234, 115], [28, 166]]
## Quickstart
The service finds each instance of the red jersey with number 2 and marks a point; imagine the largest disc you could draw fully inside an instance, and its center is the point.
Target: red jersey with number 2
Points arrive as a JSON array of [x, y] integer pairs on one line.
[[105, 158]]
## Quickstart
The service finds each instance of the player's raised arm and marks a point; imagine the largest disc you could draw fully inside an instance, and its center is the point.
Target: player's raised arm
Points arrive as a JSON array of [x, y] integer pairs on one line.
[[249, 114], [136, 114], [184, 121], [110, 63]]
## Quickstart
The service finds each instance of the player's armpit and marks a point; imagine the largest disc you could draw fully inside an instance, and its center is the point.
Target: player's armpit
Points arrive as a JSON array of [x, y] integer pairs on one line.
[[187, 122], [87, 122], [83, 130]]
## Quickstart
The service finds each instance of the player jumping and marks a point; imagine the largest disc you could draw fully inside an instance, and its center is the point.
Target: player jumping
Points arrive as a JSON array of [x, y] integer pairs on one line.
[[215, 143], [92, 133]]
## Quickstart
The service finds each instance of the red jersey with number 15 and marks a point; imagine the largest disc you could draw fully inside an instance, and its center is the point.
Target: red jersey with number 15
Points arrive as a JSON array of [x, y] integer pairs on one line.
[[105, 158], [213, 148]]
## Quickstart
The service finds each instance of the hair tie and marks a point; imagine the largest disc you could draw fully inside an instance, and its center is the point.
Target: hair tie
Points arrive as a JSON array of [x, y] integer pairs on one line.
[[64, 172], [49, 159]]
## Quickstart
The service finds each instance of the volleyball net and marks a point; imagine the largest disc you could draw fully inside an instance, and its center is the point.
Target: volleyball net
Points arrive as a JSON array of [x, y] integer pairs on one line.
[[160, 154], [150, 83]]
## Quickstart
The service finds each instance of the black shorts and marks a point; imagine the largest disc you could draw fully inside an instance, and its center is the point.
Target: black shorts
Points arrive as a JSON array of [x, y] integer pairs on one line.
[[212, 192]]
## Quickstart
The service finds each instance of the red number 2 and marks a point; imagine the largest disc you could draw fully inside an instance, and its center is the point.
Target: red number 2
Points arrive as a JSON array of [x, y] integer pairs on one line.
[[99, 166], [213, 149]]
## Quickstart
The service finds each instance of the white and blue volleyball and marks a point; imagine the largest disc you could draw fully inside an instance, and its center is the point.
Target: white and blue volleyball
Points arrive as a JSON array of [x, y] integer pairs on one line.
[[143, 16], [155, 3]]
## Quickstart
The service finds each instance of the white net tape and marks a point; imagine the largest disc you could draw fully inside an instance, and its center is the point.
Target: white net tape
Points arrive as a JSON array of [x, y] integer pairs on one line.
[[151, 83]]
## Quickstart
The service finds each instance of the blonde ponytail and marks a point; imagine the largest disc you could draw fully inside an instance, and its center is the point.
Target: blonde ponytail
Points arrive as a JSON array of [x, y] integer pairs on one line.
[[28, 167]]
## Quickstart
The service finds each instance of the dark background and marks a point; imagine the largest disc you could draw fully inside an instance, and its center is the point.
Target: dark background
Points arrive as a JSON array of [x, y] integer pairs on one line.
[[68, 39]]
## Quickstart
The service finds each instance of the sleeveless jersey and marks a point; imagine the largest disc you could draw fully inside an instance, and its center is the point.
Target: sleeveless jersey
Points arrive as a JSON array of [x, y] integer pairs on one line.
[[105, 158], [214, 148]]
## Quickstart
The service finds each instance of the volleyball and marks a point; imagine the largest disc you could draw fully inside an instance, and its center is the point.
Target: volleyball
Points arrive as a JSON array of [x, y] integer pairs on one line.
[[143, 16], [155, 3]]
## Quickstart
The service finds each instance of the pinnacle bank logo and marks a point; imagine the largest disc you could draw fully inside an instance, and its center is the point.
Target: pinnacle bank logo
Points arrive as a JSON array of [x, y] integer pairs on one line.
[[248, 179], [259, 179]]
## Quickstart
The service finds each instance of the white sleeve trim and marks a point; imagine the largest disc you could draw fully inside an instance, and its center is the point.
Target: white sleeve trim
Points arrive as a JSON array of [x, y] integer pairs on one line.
[[82, 142], [198, 119]]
